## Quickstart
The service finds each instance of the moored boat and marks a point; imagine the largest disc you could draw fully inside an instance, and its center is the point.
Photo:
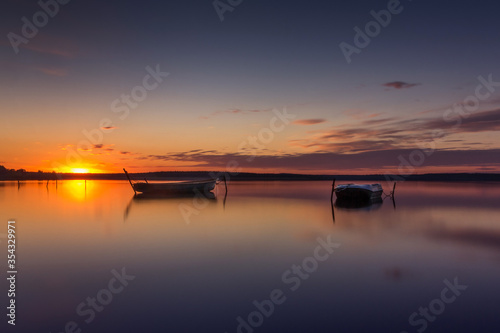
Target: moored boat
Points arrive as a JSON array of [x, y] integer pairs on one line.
[[176, 187], [359, 192], [201, 186]]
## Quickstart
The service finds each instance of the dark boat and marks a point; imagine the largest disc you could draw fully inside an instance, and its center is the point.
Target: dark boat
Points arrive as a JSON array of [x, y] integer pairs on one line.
[[358, 193]]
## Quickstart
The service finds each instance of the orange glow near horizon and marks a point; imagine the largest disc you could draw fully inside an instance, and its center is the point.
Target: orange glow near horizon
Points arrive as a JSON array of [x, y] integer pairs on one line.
[[80, 170]]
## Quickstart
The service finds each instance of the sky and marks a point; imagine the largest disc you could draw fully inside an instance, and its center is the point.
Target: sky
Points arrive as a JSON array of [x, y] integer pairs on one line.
[[317, 87]]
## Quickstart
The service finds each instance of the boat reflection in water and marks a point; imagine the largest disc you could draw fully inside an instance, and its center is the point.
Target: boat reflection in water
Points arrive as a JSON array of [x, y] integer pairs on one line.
[[355, 205], [366, 205], [174, 195], [193, 201]]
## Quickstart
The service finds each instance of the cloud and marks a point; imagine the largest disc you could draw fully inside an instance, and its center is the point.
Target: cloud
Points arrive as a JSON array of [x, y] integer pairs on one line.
[[400, 84], [378, 121], [356, 146], [308, 121], [109, 128], [49, 50], [364, 136], [491, 102], [360, 114], [52, 45], [366, 162], [397, 133], [234, 111], [108, 148], [53, 71], [474, 122]]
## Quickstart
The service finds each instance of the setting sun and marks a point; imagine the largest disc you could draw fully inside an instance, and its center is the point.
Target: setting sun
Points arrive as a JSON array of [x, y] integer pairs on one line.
[[79, 170]]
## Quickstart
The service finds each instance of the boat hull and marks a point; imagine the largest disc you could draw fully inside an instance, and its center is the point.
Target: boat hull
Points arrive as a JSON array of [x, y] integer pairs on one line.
[[175, 187], [358, 193]]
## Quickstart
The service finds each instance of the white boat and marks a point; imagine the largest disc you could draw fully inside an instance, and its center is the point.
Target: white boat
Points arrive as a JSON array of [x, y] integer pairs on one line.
[[179, 187], [200, 186], [358, 192]]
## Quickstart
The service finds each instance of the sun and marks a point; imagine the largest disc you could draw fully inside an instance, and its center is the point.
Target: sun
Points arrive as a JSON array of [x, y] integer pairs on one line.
[[79, 170]]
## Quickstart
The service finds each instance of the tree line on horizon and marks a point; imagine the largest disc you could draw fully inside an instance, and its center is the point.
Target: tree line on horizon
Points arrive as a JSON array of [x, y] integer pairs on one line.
[[21, 174]]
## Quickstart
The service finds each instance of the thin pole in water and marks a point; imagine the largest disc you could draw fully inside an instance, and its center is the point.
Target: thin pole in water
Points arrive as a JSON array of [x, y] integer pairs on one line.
[[333, 212], [129, 180], [225, 194], [225, 184], [333, 189]]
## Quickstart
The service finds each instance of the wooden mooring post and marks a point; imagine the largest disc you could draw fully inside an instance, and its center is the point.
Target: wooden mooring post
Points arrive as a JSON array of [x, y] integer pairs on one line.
[[225, 183], [129, 180], [333, 190], [393, 191]]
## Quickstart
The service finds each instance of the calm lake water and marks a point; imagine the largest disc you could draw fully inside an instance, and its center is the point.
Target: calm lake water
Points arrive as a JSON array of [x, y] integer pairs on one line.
[[272, 257]]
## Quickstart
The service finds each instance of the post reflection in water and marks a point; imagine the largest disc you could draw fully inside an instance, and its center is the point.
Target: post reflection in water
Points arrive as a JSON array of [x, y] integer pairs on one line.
[[201, 263]]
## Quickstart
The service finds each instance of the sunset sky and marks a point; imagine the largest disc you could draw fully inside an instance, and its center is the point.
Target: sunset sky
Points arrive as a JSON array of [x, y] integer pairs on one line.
[[416, 98]]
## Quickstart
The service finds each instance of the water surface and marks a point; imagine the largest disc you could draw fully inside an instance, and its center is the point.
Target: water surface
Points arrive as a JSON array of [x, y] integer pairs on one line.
[[200, 265]]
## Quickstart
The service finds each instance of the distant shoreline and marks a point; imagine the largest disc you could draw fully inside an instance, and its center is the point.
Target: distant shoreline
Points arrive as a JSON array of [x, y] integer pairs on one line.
[[246, 176]]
